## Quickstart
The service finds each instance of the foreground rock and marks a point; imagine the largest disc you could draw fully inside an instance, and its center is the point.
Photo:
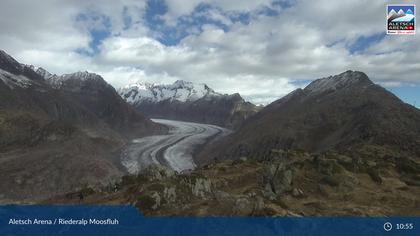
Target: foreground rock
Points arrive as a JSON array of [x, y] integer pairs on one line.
[[299, 184]]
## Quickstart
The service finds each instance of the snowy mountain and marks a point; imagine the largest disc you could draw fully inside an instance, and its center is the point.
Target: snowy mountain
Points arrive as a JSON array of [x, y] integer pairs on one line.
[[58, 81], [401, 12], [188, 101], [180, 90], [14, 75], [98, 96]]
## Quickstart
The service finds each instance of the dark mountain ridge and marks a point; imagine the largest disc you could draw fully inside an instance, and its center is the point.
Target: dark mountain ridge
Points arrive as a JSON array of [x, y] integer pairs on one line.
[[102, 99], [58, 139], [341, 112]]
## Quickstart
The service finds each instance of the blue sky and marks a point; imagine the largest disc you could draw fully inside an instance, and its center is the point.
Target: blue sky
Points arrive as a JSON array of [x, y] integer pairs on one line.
[[262, 49], [409, 94]]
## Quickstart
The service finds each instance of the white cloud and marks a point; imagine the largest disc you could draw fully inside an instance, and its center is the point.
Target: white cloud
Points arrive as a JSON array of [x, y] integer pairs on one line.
[[262, 60], [177, 8], [123, 76]]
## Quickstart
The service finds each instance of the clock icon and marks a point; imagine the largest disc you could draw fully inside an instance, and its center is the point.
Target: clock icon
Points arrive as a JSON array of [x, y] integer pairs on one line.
[[387, 226]]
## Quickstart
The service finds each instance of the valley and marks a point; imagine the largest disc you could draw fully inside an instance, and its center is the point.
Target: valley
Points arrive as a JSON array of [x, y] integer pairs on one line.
[[342, 145], [174, 150]]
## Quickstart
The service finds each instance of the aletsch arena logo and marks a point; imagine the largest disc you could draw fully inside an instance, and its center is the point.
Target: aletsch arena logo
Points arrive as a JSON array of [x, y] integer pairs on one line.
[[401, 19]]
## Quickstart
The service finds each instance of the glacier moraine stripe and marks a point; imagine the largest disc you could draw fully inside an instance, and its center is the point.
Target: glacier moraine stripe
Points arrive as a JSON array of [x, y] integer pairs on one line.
[[174, 150]]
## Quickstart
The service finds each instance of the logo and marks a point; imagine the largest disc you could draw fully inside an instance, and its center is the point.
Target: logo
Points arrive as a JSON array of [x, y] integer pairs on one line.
[[401, 19]]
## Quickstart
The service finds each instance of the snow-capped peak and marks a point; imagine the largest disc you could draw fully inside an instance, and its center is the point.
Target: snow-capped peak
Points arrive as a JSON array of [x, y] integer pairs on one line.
[[401, 12], [182, 91], [43, 73], [340, 81], [57, 81], [40, 71], [81, 75]]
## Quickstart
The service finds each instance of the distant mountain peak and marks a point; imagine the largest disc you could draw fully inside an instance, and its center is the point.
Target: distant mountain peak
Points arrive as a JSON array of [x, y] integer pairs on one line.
[[15, 74], [56, 81], [43, 73], [81, 75], [344, 80], [183, 83], [180, 90], [188, 101]]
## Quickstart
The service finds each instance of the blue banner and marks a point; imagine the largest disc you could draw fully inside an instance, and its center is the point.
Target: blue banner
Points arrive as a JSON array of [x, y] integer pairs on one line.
[[126, 220]]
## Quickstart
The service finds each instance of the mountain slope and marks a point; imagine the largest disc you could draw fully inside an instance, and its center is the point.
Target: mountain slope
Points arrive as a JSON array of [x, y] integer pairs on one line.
[[189, 102], [55, 140], [99, 97], [344, 112]]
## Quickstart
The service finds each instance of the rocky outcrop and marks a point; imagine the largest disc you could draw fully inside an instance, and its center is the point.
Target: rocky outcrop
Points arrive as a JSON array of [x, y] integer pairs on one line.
[[277, 179], [157, 172], [201, 188], [298, 183]]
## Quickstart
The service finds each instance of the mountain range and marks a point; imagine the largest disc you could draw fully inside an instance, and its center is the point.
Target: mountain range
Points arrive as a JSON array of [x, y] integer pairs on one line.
[[341, 139], [341, 146], [188, 101]]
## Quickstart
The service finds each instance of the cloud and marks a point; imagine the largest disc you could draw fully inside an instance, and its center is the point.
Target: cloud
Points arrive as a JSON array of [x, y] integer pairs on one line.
[[177, 8], [261, 49]]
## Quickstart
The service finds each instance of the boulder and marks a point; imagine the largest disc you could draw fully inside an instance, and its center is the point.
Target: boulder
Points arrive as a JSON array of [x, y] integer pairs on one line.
[[259, 204], [201, 188], [222, 196], [243, 206], [297, 193], [277, 178], [157, 198], [268, 192], [169, 194]]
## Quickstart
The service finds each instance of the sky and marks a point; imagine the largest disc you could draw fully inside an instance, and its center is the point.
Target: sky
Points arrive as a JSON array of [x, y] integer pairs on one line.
[[262, 49]]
